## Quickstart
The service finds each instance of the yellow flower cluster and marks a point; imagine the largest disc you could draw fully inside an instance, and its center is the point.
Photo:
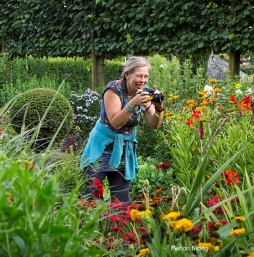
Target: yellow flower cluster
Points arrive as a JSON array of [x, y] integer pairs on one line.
[[239, 218], [182, 225], [211, 248], [237, 231], [136, 214], [169, 115], [143, 252], [171, 215], [212, 81], [172, 97], [212, 244], [178, 222]]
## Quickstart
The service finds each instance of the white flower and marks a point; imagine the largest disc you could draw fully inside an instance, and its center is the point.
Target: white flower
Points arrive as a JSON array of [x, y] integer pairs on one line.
[[238, 92], [208, 89], [249, 91]]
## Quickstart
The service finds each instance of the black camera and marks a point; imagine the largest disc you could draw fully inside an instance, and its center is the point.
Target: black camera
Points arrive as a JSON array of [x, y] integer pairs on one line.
[[157, 98]]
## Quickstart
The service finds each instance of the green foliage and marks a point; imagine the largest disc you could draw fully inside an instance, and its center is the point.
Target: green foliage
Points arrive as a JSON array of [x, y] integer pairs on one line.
[[36, 218], [76, 72], [163, 26], [248, 69], [38, 191], [9, 91], [30, 107]]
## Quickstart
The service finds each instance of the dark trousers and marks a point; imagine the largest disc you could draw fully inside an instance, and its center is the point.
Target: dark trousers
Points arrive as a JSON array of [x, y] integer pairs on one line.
[[119, 187]]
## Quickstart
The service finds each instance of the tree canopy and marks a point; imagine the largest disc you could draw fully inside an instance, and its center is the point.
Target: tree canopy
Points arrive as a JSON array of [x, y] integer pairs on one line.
[[111, 28]]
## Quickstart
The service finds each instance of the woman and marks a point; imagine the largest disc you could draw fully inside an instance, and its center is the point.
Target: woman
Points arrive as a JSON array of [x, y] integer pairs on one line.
[[111, 148]]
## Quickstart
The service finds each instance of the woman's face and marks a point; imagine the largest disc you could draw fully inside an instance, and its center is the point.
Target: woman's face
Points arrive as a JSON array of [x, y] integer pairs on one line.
[[137, 80]]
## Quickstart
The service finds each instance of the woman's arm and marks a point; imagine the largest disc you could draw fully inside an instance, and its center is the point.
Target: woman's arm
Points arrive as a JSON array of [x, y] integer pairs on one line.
[[116, 115], [154, 118], [154, 113]]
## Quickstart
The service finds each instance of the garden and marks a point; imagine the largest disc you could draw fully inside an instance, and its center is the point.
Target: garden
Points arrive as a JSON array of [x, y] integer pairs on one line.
[[193, 194]]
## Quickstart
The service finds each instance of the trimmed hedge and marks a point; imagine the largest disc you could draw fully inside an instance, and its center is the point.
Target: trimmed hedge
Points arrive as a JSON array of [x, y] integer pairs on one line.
[[75, 71], [30, 107]]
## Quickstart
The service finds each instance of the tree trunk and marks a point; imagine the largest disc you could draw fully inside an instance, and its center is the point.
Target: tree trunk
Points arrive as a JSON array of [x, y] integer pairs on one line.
[[2, 45], [234, 55], [97, 71], [234, 63]]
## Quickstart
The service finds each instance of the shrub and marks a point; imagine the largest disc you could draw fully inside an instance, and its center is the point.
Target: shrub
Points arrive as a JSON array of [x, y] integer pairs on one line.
[[29, 108]]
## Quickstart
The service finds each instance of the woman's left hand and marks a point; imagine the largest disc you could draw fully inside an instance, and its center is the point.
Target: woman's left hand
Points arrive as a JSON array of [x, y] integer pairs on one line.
[[158, 105]]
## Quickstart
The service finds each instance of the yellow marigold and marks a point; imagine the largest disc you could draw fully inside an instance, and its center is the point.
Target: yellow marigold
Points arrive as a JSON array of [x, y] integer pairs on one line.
[[136, 214], [191, 102], [251, 255], [237, 232], [211, 248], [219, 107], [212, 81], [239, 218], [213, 100], [172, 97], [171, 215], [187, 107], [216, 90], [143, 252], [169, 115], [29, 165], [77, 128], [204, 102], [238, 85], [182, 225], [203, 93], [252, 75]]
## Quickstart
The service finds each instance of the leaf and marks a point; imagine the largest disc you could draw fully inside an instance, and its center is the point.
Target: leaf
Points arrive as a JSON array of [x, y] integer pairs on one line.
[[200, 45]]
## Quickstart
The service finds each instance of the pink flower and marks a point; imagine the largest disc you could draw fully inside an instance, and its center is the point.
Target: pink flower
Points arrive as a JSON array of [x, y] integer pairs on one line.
[[201, 131], [213, 201], [130, 238]]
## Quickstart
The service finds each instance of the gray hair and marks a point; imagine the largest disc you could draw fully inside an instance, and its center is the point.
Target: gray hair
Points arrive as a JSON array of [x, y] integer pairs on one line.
[[133, 63]]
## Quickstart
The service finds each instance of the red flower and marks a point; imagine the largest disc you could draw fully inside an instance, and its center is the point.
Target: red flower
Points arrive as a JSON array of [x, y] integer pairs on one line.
[[211, 225], [233, 99], [130, 238], [163, 166], [196, 229], [86, 204], [223, 222], [97, 187], [245, 103], [195, 114], [231, 177], [189, 122]]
